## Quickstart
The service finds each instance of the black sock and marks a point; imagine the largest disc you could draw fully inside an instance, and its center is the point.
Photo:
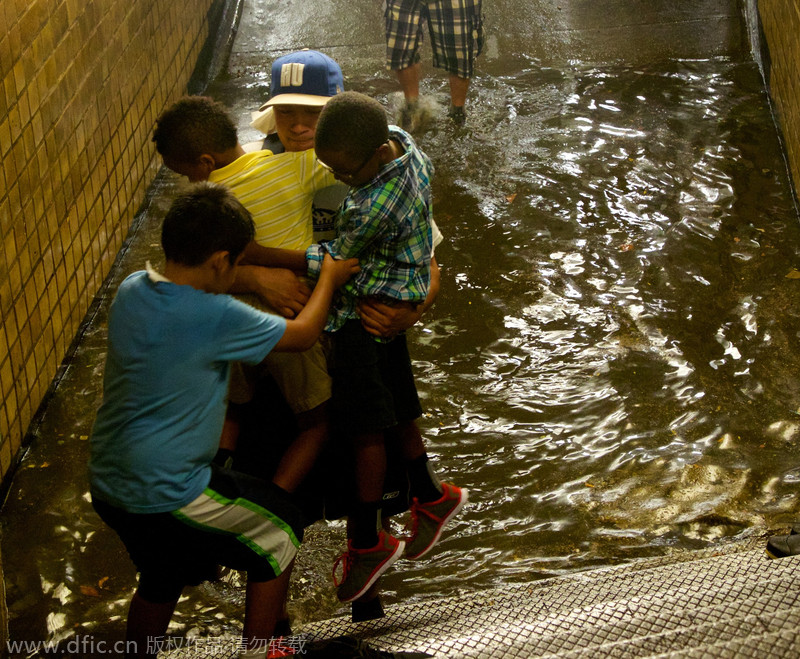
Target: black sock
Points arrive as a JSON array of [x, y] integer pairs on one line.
[[366, 520], [425, 485]]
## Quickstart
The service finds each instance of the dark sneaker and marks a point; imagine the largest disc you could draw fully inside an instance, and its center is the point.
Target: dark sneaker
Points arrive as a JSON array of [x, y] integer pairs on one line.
[[780, 546], [362, 567], [457, 115], [428, 519], [410, 116]]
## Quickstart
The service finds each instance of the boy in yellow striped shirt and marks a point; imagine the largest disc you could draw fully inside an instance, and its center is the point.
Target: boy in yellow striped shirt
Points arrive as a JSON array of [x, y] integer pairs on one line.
[[197, 138]]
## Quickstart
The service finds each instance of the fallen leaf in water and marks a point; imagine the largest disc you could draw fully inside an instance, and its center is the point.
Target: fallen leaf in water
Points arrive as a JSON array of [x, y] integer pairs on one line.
[[510, 198], [102, 582], [90, 591], [793, 274], [627, 247]]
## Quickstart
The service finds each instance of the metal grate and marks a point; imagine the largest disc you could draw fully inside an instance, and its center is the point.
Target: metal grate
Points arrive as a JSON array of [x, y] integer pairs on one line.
[[730, 601]]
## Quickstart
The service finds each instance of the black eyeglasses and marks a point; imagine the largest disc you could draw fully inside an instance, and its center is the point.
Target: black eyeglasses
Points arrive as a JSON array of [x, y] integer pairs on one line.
[[336, 172]]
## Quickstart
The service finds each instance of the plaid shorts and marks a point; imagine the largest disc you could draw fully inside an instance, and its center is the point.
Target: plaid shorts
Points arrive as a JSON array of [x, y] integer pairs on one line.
[[455, 27]]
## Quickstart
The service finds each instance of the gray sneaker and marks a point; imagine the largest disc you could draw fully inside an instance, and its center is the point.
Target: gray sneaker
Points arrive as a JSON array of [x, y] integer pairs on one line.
[[428, 519], [362, 567]]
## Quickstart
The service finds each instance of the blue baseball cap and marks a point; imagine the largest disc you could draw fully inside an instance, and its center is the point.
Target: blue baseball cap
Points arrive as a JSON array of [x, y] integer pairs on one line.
[[305, 77]]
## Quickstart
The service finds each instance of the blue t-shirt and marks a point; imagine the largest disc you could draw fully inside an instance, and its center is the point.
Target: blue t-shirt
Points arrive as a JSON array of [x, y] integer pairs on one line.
[[164, 390]]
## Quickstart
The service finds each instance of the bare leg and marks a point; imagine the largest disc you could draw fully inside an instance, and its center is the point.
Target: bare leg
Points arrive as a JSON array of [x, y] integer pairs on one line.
[[411, 443], [147, 623], [299, 458], [458, 90], [264, 601], [370, 466], [409, 82]]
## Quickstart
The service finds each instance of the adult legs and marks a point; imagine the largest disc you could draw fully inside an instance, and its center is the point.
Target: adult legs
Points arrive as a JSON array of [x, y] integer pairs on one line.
[[409, 82], [458, 91]]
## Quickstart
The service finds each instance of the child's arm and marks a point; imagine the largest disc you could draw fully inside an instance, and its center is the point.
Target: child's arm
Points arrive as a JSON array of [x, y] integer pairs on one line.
[[302, 332], [274, 257]]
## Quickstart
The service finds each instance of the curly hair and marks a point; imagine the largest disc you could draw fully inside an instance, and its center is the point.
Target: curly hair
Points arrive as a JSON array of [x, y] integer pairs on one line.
[[353, 123], [193, 126]]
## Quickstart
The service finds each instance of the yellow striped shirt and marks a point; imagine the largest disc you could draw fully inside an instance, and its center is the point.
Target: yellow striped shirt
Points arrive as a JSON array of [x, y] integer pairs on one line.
[[278, 190]]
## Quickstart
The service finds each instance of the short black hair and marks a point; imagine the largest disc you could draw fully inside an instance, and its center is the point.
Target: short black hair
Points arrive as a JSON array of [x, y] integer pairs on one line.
[[353, 123], [193, 126], [205, 220]]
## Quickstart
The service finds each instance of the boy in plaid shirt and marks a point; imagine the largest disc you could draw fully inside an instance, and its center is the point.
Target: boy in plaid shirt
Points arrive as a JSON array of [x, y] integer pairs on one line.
[[385, 221]]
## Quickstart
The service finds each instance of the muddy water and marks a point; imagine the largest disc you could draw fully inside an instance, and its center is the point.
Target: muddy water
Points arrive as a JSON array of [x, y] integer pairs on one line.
[[610, 367]]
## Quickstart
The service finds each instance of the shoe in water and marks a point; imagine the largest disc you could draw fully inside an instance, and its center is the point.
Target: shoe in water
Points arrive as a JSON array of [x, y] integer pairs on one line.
[[780, 546], [410, 116], [428, 519], [457, 115], [362, 567]]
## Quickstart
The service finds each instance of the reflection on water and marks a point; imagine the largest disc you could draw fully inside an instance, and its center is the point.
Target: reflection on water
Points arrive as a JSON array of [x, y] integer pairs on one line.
[[610, 367]]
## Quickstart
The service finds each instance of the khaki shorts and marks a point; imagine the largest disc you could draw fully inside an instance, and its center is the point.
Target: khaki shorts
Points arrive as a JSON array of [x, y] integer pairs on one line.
[[302, 377]]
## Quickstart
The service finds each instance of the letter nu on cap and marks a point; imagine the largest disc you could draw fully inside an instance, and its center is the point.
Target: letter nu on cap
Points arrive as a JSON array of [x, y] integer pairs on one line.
[[292, 74]]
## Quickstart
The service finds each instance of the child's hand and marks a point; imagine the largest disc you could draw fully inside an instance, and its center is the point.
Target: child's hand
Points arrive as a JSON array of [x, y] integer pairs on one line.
[[339, 271]]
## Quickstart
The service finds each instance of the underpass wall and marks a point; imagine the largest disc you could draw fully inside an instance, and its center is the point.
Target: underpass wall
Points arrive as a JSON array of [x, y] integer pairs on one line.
[[81, 84], [780, 20]]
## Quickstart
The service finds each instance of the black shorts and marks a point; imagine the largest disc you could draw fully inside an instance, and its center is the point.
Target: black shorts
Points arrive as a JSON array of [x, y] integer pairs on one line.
[[239, 521], [373, 385]]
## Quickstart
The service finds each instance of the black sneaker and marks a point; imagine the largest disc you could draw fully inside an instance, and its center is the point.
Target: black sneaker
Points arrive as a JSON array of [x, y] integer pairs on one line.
[[457, 115], [780, 546]]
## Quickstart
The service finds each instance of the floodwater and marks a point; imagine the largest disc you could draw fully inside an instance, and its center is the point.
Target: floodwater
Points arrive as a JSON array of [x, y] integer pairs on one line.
[[611, 366]]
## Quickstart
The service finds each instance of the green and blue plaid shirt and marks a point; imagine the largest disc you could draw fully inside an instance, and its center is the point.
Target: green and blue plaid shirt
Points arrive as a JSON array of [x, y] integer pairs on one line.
[[386, 224]]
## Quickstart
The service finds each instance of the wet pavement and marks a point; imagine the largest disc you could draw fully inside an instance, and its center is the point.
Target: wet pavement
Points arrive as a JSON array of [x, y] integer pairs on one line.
[[611, 365]]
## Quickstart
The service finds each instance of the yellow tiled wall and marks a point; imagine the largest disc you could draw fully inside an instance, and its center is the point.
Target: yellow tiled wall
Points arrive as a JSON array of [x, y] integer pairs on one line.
[[82, 84], [781, 23]]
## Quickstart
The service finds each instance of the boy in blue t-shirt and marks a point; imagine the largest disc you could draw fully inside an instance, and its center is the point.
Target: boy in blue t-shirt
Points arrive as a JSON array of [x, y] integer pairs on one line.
[[171, 339]]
